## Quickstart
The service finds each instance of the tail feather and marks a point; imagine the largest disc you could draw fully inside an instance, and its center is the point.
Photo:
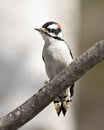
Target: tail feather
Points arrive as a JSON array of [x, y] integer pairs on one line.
[[60, 107], [63, 110], [62, 102]]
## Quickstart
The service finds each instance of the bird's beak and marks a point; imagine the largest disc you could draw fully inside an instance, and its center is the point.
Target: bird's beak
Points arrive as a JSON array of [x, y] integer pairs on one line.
[[37, 29], [40, 29]]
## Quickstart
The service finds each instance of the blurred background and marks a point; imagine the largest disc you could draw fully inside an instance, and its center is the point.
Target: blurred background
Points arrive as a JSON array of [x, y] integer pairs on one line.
[[22, 71]]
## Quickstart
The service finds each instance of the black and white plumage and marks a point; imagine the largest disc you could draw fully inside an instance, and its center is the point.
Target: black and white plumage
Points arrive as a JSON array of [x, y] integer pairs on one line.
[[56, 55]]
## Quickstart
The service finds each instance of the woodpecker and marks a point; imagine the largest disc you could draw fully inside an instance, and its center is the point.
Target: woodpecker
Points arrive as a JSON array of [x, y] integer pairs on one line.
[[56, 56]]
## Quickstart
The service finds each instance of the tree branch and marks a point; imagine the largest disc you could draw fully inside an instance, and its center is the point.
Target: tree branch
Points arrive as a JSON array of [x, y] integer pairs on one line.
[[51, 90]]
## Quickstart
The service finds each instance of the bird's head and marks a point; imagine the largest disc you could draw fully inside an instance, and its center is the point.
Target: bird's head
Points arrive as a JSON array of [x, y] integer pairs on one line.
[[50, 29]]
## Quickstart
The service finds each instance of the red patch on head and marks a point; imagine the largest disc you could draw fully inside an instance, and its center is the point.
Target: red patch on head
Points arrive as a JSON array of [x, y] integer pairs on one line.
[[58, 26]]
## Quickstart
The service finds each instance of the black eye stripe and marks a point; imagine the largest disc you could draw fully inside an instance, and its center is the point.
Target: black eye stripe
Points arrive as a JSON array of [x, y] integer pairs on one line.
[[50, 30], [55, 37], [55, 31]]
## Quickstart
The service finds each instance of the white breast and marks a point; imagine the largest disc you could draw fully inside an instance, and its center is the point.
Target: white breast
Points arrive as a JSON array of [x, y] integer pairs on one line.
[[56, 56]]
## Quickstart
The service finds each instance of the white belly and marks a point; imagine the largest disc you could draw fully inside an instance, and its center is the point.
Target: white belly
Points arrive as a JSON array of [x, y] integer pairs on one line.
[[56, 57]]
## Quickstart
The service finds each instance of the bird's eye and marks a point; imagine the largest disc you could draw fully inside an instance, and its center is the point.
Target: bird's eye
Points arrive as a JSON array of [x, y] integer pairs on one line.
[[50, 30]]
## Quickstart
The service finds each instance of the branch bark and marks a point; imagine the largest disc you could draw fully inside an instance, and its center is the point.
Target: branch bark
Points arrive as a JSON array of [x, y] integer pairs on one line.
[[51, 90]]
